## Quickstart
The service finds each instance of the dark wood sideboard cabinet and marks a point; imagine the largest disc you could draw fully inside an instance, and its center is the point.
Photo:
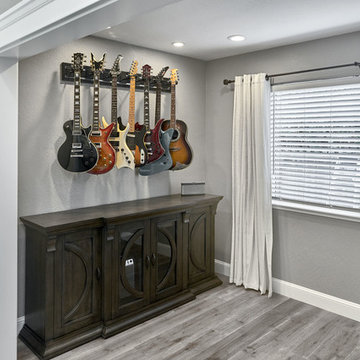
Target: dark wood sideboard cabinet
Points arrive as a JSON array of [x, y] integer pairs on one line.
[[96, 271]]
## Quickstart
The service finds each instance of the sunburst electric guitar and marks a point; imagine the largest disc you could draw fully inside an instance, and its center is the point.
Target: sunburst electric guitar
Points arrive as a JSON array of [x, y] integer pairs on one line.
[[135, 138], [180, 149], [124, 156], [164, 162], [77, 153], [99, 136]]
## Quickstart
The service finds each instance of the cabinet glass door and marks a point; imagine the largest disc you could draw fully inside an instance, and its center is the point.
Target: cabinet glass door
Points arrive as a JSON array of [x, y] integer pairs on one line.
[[165, 255], [133, 285]]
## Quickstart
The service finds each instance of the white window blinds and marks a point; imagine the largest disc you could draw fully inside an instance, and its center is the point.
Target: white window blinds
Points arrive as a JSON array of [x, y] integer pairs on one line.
[[315, 145]]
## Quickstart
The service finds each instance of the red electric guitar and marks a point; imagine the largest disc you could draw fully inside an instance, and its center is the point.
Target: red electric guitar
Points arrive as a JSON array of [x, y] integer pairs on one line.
[[98, 136], [152, 138]]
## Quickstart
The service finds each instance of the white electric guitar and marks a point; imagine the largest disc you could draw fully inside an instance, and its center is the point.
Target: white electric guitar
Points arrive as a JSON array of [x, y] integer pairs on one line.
[[124, 156]]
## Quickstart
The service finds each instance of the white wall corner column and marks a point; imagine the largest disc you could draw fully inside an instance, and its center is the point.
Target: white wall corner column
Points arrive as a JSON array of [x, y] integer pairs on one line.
[[8, 207]]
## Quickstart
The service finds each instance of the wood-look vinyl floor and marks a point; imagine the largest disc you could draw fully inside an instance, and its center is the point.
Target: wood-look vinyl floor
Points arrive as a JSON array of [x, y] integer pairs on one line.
[[229, 323]]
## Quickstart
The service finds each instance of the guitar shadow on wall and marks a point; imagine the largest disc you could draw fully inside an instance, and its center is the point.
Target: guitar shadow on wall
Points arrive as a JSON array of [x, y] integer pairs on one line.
[[48, 138]]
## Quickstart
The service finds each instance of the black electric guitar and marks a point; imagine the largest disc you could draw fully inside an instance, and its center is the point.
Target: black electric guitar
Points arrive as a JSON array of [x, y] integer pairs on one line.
[[77, 153]]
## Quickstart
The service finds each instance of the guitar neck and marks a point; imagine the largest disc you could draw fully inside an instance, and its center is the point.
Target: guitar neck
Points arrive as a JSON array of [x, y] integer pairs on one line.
[[172, 116], [146, 105], [158, 103], [114, 99], [132, 104], [76, 125], [96, 102]]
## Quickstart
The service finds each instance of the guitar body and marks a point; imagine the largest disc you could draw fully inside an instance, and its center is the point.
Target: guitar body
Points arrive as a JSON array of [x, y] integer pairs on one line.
[[135, 141], [164, 162], [77, 153], [180, 149], [124, 156], [152, 141], [106, 152]]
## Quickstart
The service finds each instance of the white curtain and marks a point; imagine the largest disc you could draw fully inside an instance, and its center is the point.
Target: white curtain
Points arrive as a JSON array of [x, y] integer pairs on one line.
[[251, 248]]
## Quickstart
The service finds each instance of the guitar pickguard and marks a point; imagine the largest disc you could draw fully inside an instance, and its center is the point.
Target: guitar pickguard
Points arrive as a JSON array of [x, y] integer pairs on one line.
[[106, 152], [153, 144], [77, 153], [135, 141], [180, 149], [163, 163], [124, 156]]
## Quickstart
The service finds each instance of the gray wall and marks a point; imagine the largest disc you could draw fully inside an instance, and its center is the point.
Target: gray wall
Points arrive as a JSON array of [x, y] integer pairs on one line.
[[312, 251], [45, 105]]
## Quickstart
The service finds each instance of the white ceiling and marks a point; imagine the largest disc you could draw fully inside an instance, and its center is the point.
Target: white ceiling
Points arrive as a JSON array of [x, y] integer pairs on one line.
[[7, 4], [204, 25]]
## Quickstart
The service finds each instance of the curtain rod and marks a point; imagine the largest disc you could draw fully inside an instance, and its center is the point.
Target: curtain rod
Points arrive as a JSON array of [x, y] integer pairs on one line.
[[267, 77]]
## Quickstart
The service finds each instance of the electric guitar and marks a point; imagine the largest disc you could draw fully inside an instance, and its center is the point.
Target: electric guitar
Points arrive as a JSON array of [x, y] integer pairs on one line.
[[152, 138], [180, 150], [124, 157], [135, 138], [165, 161], [77, 153], [99, 136]]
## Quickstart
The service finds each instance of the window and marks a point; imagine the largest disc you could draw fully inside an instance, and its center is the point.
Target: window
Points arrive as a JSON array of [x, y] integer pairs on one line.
[[315, 145]]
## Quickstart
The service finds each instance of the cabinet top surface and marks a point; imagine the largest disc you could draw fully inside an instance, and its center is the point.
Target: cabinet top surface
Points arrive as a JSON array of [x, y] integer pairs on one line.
[[111, 212]]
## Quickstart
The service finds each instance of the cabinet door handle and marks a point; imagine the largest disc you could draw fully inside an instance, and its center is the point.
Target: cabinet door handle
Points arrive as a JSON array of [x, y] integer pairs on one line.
[[153, 259], [98, 273], [147, 261]]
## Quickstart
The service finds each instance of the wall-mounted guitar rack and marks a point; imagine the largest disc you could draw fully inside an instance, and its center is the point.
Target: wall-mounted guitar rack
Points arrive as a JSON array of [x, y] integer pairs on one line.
[[87, 77]]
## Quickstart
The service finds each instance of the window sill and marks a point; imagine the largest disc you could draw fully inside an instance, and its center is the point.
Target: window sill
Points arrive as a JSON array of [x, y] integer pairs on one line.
[[316, 210]]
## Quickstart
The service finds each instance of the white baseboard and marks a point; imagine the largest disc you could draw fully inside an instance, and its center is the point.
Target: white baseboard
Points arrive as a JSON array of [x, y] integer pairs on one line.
[[20, 323], [222, 267], [323, 301]]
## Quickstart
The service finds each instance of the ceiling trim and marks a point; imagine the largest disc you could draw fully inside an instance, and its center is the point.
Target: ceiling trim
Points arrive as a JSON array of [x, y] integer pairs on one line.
[[19, 11], [34, 17]]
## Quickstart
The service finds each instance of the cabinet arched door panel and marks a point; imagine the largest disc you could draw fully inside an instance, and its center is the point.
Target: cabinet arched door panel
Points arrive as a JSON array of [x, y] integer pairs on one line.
[[199, 244], [166, 249], [130, 277], [77, 280]]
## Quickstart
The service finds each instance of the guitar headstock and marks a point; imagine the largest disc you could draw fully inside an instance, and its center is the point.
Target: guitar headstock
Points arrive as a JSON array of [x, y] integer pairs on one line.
[[174, 77], [133, 68], [161, 74], [97, 66], [115, 70], [146, 72], [78, 59]]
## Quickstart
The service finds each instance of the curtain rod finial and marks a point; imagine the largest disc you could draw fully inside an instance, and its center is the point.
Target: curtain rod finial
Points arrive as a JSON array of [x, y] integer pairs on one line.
[[227, 82]]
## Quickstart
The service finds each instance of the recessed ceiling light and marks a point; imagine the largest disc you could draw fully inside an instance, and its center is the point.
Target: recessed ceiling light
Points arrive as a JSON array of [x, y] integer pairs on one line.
[[109, 27], [178, 44], [236, 37]]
